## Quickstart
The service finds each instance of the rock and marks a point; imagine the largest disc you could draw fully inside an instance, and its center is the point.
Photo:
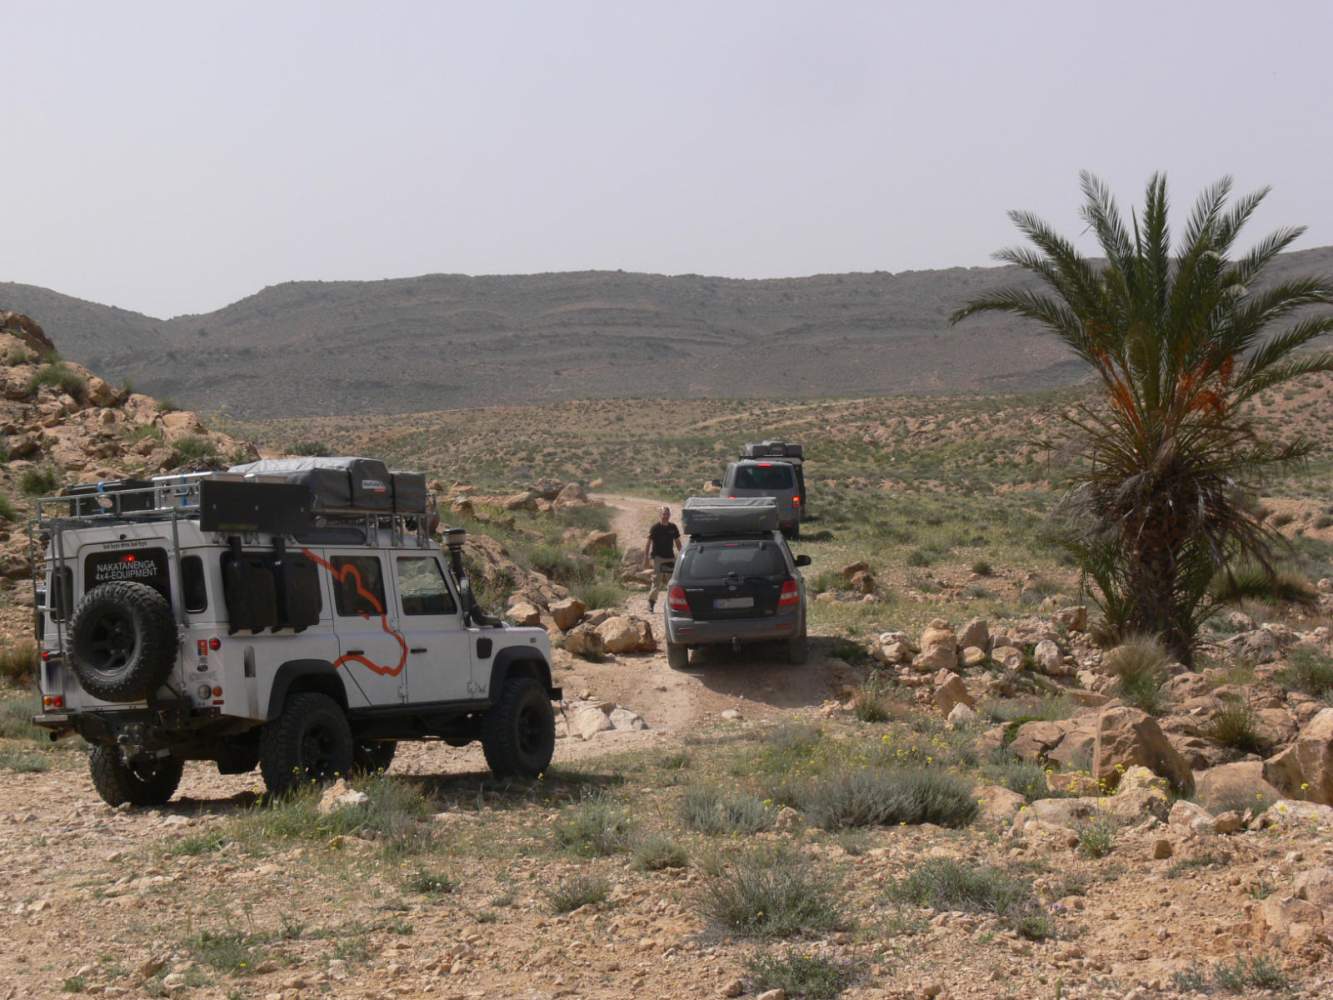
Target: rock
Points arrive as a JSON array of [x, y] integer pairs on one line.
[[619, 635], [587, 721], [1162, 849], [736, 987], [571, 495], [892, 652], [1186, 816], [583, 640], [975, 633], [1067, 813], [340, 795], [523, 613], [851, 569], [1033, 740], [1228, 822], [1009, 657], [1315, 885], [1294, 814], [1127, 736], [1074, 619], [974, 656], [598, 541], [961, 715], [1075, 783], [26, 329], [1304, 770], [952, 692], [1258, 646], [863, 582], [938, 633], [647, 641], [526, 500], [1048, 659], [622, 719], [776, 994], [567, 613], [1238, 786], [1286, 922], [999, 804], [730, 715], [937, 657], [1141, 793]]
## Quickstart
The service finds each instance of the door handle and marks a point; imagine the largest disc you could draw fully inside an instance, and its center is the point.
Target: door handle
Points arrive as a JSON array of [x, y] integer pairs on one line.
[[418, 649], [356, 652]]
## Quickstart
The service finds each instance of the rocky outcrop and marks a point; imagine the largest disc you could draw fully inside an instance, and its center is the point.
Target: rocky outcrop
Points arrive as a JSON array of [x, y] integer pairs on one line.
[[1126, 737], [1304, 770]]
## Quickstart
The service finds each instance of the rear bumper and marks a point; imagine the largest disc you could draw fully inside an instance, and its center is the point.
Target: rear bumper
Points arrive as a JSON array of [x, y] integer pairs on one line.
[[691, 632]]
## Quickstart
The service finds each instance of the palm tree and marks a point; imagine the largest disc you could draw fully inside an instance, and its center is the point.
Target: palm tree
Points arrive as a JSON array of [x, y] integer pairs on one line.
[[1172, 460]]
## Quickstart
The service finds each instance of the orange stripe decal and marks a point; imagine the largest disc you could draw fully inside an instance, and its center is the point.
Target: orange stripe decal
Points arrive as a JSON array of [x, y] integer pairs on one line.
[[342, 576]]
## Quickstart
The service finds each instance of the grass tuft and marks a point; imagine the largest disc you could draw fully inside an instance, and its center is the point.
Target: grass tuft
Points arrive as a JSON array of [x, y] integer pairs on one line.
[[595, 827], [1308, 671], [18, 661], [1140, 664], [577, 891], [883, 797], [714, 811], [39, 481], [800, 974], [658, 852], [947, 884], [1236, 726], [772, 893]]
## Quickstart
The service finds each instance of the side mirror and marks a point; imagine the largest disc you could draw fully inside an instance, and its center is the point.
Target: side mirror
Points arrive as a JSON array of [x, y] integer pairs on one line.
[[802, 560], [715, 482]]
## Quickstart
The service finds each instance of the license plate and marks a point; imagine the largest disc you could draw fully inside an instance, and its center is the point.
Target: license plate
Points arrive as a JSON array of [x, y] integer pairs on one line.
[[728, 603]]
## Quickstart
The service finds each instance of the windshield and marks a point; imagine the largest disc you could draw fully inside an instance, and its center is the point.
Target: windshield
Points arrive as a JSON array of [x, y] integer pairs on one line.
[[763, 477], [718, 559]]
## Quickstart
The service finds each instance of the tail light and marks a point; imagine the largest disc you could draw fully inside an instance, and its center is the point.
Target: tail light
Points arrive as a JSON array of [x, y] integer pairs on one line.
[[796, 501], [790, 596], [53, 701], [676, 599]]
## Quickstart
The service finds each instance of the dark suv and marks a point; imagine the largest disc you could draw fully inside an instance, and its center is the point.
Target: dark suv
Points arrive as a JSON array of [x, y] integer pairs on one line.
[[736, 587], [763, 478]]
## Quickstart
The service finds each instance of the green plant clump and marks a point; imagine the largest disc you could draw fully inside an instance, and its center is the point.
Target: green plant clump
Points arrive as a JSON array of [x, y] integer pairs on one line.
[[800, 974], [772, 894], [884, 797], [714, 811]]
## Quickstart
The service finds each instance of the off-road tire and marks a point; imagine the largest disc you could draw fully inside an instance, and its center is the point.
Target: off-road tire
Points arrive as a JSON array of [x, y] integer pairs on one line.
[[798, 648], [518, 733], [145, 785], [678, 656], [122, 641], [310, 741], [373, 756]]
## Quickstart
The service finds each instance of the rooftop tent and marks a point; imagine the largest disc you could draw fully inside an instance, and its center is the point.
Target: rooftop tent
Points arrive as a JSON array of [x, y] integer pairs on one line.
[[772, 449], [337, 484], [703, 516]]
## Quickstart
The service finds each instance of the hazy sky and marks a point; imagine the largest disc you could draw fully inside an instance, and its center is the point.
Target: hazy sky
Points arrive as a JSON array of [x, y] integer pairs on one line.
[[173, 157]]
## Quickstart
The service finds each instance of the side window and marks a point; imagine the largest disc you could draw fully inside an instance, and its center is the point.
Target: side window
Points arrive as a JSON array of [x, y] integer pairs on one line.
[[422, 589], [358, 586], [192, 583]]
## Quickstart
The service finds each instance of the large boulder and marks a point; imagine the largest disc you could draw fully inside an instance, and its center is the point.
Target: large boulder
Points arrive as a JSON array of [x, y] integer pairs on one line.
[[931, 659], [1140, 793], [1127, 736], [1287, 922], [567, 613], [951, 691], [26, 329], [1049, 660], [586, 721], [524, 613], [1239, 786], [598, 541], [1304, 770], [975, 633], [998, 804], [583, 640], [1034, 740], [619, 635]]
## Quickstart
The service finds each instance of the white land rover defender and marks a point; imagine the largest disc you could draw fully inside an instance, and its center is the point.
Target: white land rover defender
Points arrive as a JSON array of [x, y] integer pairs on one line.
[[291, 614]]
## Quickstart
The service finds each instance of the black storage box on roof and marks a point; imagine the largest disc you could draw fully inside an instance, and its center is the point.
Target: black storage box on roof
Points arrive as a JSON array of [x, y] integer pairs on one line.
[[97, 498], [724, 515], [360, 484], [772, 449], [409, 492]]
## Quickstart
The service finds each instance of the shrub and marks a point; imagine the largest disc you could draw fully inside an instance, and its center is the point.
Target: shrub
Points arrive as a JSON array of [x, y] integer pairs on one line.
[[599, 593], [227, 951], [1096, 838], [595, 827], [429, 883], [712, 810], [918, 558], [884, 797], [947, 884], [1309, 671], [1140, 664], [310, 449], [1253, 582], [657, 852], [849, 651], [18, 660], [872, 701], [196, 448], [580, 890], [800, 974], [982, 568], [39, 480], [1023, 777], [23, 763], [60, 376], [1247, 974], [1234, 725], [772, 894], [15, 719], [8, 512]]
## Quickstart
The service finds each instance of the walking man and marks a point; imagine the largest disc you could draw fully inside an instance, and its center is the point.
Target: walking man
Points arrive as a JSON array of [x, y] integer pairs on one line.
[[660, 552]]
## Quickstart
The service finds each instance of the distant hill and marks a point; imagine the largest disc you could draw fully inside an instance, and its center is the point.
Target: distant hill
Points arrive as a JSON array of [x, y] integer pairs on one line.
[[445, 341]]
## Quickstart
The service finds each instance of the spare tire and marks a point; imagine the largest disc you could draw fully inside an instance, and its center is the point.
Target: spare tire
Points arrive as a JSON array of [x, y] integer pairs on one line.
[[122, 641]]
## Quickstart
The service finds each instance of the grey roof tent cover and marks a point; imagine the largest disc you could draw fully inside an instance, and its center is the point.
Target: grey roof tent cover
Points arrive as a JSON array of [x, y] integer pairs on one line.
[[360, 484], [702, 516]]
